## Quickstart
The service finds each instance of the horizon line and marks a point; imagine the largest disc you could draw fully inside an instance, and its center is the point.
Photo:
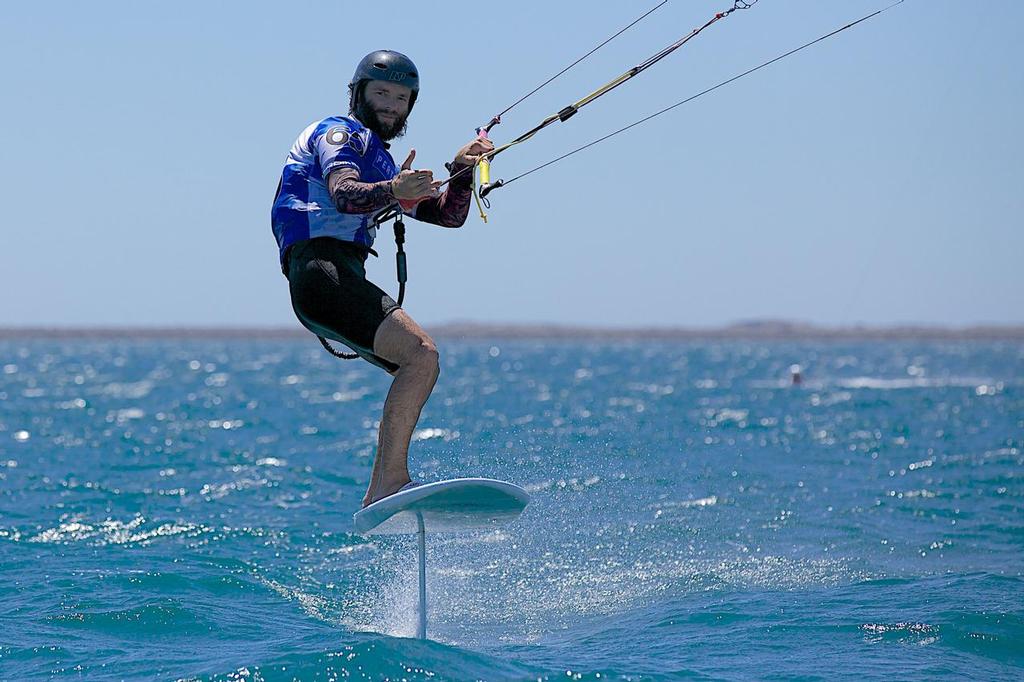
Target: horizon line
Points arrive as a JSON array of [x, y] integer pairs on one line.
[[749, 329]]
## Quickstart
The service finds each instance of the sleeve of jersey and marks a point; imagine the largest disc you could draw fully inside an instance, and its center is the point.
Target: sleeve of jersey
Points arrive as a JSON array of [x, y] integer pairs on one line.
[[338, 148]]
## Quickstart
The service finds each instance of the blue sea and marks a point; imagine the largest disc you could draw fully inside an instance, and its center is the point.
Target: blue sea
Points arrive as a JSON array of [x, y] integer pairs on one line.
[[182, 510]]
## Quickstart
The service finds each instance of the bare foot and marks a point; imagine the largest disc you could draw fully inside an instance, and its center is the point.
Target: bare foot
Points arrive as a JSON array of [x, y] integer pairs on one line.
[[386, 488]]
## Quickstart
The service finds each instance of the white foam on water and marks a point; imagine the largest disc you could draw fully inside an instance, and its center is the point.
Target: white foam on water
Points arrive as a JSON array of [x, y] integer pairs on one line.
[[114, 532]]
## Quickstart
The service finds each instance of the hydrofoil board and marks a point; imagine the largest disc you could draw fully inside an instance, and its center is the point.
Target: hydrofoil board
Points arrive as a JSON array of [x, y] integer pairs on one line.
[[453, 505]]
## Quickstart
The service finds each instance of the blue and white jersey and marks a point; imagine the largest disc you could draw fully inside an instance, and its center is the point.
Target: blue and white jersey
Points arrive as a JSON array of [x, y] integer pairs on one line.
[[303, 208]]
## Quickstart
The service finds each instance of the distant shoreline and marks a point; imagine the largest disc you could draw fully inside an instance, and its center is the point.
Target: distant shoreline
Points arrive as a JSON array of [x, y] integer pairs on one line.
[[769, 330]]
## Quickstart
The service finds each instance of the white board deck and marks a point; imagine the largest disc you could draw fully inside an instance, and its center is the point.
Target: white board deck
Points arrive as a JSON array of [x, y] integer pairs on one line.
[[456, 504]]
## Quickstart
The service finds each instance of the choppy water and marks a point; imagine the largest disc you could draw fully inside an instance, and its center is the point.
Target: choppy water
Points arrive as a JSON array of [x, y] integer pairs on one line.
[[183, 510]]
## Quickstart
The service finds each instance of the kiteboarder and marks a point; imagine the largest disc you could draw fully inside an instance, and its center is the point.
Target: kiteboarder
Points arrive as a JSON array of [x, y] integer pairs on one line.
[[338, 175]]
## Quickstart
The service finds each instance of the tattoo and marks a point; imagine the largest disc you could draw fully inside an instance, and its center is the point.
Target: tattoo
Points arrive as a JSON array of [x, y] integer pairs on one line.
[[352, 196], [451, 208]]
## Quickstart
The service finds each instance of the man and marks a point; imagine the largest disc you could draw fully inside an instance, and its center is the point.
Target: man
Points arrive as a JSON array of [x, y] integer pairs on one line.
[[338, 175]]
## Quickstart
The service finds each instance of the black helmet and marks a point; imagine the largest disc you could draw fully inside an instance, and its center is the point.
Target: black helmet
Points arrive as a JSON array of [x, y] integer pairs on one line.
[[386, 65]]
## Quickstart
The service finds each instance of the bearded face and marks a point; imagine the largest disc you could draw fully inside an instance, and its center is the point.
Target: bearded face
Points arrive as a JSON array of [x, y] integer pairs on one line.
[[383, 108]]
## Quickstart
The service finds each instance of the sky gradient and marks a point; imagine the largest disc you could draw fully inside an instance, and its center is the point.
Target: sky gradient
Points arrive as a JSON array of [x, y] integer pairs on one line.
[[874, 178]]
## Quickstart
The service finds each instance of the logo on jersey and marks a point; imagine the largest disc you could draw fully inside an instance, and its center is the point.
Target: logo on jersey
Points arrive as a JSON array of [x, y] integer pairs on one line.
[[338, 136]]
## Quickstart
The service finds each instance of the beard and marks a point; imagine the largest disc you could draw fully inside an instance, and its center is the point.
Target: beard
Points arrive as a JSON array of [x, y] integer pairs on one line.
[[385, 131]]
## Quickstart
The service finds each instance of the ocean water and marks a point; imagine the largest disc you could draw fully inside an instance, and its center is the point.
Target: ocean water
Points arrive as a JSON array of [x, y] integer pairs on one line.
[[182, 509]]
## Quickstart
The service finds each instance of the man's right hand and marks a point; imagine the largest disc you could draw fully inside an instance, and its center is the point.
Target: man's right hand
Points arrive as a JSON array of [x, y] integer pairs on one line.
[[414, 185]]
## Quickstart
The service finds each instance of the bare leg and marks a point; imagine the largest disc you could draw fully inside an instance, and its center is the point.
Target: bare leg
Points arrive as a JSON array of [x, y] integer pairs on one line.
[[401, 341]]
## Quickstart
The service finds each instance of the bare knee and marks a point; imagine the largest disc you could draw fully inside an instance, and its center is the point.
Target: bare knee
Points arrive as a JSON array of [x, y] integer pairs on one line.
[[401, 341], [421, 357], [427, 359]]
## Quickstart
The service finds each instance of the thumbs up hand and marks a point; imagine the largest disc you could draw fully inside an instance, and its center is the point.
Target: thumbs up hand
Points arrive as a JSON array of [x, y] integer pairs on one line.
[[407, 164], [414, 185]]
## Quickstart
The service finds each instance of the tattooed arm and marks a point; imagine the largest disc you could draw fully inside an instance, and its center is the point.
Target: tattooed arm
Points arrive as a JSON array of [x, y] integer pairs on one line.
[[352, 196], [451, 208]]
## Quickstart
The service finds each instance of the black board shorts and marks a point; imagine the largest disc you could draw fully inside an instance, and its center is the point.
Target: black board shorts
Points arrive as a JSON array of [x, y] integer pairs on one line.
[[332, 297]]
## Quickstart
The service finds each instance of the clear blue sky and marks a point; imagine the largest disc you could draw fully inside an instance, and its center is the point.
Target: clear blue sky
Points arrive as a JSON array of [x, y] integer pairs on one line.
[[876, 177]]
